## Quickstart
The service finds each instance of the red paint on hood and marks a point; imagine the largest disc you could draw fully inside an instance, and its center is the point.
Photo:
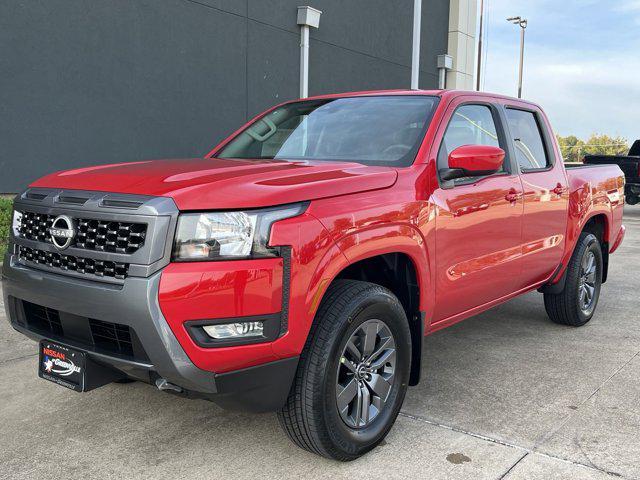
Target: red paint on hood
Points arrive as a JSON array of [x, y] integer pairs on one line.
[[212, 183]]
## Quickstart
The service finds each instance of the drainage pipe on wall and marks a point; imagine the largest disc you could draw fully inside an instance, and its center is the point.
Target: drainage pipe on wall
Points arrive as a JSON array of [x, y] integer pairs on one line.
[[415, 50], [307, 17], [445, 63]]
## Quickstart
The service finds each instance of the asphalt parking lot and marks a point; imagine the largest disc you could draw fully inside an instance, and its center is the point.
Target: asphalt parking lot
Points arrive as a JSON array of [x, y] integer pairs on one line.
[[507, 394]]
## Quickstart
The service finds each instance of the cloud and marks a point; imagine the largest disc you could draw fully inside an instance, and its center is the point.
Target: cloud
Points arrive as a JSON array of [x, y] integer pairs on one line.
[[629, 7], [585, 73], [580, 98]]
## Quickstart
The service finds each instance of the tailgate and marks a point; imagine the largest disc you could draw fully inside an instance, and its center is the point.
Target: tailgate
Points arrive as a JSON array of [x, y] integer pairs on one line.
[[630, 166]]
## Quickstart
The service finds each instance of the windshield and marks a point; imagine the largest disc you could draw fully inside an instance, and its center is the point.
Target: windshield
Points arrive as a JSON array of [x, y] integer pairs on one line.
[[380, 130]]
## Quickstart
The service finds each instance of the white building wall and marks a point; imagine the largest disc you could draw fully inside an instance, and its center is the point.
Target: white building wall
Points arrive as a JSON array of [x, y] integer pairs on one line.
[[462, 44]]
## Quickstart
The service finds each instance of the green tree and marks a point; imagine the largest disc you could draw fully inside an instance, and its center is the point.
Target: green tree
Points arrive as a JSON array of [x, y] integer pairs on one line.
[[606, 145], [573, 149]]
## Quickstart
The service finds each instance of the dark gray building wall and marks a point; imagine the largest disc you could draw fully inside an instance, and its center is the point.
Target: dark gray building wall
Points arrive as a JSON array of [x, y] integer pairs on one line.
[[91, 82]]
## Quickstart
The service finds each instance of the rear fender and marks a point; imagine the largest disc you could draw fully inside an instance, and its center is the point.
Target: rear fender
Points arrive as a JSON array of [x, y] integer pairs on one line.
[[582, 209]]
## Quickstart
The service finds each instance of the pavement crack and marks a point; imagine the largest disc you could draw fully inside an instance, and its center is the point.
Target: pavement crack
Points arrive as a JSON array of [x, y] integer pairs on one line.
[[465, 432], [526, 451], [513, 466], [15, 359], [553, 431], [593, 465]]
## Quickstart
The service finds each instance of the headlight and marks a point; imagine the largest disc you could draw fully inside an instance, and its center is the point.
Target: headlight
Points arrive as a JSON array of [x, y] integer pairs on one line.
[[228, 235]]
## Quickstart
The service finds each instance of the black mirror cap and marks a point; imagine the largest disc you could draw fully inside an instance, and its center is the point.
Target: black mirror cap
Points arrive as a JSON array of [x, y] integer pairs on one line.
[[453, 173]]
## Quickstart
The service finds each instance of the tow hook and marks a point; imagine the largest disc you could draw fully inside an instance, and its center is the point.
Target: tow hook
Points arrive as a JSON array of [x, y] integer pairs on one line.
[[163, 384]]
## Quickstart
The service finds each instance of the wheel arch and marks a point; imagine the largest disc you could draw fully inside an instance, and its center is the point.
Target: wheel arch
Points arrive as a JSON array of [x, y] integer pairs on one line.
[[397, 272], [596, 223], [398, 248]]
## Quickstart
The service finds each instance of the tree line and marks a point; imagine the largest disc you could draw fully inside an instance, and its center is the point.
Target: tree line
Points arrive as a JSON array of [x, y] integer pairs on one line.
[[574, 149]]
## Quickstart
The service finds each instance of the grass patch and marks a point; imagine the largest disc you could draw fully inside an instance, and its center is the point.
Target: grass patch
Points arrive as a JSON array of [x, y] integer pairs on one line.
[[6, 207]]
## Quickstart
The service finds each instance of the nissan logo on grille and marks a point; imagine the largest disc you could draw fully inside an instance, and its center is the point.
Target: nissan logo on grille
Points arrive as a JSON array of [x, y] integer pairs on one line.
[[62, 232]]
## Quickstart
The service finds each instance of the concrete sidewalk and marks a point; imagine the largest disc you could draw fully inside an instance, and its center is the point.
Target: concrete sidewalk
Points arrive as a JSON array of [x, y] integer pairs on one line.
[[506, 394]]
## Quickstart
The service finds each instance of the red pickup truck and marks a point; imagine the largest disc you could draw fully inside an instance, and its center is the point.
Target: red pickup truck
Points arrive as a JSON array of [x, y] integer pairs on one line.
[[297, 267]]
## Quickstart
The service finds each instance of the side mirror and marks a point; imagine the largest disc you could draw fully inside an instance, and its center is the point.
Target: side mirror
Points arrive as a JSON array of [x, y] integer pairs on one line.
[[473, 161]]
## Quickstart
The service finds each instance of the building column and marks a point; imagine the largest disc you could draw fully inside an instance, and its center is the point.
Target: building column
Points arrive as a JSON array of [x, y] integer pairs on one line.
[[462, 43]]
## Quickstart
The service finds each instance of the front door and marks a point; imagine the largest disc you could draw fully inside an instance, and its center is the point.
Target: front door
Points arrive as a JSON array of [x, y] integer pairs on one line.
[[478, 220]]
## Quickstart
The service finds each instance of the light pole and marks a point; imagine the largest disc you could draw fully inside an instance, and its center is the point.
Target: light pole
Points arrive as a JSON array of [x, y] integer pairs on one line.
[[480, 46], [522, 23]]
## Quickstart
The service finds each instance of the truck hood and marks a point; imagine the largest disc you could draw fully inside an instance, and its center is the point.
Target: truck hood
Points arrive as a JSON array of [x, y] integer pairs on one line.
[[212, 183]]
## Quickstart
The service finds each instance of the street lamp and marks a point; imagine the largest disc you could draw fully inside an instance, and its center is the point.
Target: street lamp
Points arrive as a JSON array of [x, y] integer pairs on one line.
[[522, 23], [479, 73]]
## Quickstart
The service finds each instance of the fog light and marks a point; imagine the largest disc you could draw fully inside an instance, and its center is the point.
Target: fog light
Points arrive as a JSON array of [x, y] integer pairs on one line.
[[235, 330]]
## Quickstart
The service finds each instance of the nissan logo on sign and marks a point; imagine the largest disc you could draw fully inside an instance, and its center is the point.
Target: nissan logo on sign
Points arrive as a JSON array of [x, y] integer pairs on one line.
[[62, 232]]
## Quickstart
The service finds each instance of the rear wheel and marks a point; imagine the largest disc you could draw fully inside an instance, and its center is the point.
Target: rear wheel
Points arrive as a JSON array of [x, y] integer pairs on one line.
[[577, 302], [353, 373], [632, 199]]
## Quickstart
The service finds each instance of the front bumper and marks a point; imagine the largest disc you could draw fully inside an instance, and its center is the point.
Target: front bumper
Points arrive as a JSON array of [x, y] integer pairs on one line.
[[261, 387]]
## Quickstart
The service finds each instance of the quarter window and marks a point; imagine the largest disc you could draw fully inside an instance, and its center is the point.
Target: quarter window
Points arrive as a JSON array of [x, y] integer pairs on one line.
[[527, 139]]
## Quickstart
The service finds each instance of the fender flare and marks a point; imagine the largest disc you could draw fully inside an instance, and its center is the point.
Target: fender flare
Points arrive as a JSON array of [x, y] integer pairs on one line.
[[559, 277], [369, 243]]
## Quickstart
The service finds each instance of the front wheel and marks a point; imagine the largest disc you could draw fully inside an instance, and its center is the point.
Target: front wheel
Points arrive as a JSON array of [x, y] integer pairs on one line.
[[353, 373], [577, 302]]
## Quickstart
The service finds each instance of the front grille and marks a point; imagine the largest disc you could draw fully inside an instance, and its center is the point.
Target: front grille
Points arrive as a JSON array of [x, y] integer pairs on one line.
[[89, 333], [91, 234], [87, 266]]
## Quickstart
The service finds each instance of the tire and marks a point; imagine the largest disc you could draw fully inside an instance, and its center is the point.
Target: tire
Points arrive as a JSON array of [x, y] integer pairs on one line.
[[570, 307], [349, 313], [632, 199]]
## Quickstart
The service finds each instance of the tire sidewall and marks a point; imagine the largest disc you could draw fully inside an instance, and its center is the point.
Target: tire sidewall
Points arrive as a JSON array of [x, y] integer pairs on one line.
[[384, 307], [589, 244]]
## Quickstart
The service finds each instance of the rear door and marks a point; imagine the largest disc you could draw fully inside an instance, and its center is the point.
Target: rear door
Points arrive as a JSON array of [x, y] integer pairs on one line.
[[546, 193], [478, 220]]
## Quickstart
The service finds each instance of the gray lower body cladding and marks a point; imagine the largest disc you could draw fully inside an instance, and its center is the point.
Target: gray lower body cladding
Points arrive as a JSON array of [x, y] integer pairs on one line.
[[134, 304]]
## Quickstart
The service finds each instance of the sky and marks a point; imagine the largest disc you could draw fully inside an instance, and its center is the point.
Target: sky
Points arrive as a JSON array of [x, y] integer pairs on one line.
[[581, 61]]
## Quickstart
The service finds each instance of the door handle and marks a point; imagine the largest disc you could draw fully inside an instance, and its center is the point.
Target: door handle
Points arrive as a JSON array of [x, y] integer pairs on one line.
[[559, 190], [512, 196]]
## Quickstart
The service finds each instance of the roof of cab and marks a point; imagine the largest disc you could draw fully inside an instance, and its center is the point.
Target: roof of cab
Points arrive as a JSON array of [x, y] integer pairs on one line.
[[446, 94]]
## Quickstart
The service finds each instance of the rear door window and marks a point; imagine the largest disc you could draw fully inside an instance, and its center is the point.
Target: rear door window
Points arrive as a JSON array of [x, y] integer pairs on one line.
[[527, 140]]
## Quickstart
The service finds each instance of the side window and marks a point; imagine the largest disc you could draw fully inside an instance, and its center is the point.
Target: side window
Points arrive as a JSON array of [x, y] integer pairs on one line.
[[527, 139], [469, 125]]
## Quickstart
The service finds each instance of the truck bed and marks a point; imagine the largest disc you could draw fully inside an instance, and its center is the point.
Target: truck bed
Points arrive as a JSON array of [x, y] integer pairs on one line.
[[605, 181]]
